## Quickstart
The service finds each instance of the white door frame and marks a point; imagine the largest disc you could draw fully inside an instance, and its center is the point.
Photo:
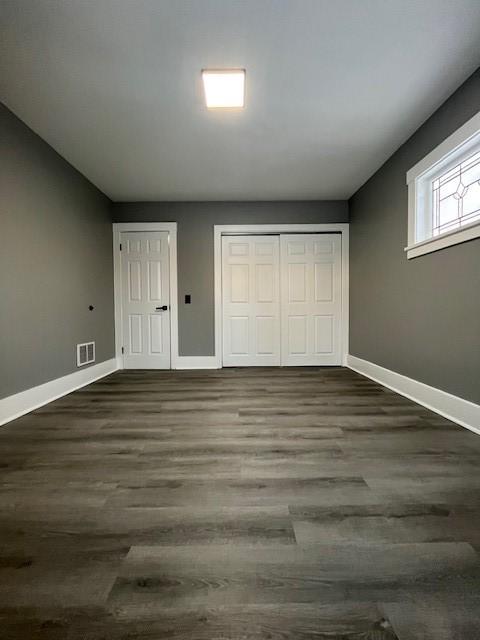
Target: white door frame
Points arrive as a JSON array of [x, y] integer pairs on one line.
[[118, 229], [252, 229]]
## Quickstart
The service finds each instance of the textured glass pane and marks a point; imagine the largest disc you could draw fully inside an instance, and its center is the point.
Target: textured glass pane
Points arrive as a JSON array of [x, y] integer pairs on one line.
[[472, 174], [448, 211], [472, 199], [448, 188]]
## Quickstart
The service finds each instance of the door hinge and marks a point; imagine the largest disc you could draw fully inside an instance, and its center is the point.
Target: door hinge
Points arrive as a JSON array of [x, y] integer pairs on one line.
[[120, 246], [123, 350]]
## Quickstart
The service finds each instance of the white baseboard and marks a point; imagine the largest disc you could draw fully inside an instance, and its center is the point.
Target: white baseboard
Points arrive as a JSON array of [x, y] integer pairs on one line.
[[197, 362], [21, 403], [463, 412]]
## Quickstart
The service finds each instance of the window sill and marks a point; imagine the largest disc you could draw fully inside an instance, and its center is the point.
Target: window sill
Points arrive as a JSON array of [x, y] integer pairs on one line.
[[445, 240]]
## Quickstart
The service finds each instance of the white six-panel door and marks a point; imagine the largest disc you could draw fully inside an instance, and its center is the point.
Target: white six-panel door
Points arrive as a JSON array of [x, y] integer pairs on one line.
[[251, 300], [146, 290], [282, 300], [311, 295]]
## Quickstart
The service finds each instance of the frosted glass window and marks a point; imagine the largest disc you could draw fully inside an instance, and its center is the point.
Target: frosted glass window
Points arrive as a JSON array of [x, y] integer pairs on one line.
[[456, 196]]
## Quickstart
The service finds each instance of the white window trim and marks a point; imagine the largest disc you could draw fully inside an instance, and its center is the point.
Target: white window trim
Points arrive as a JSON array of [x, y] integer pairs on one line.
[[468, 133], [253, 229]]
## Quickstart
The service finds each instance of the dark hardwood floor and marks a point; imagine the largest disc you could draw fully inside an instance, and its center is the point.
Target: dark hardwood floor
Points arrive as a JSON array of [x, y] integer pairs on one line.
[[238, 504]]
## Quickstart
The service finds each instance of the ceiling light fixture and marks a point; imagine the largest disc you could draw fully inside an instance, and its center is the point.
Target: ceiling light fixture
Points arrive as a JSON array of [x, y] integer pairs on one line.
[[224, 88]]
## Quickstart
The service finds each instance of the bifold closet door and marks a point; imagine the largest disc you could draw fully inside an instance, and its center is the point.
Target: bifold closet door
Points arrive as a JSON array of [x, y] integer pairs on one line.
[[311, 291], [251, 300]]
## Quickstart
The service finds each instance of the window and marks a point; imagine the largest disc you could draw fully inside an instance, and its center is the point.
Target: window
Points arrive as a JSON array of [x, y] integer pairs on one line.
[[444, 193]]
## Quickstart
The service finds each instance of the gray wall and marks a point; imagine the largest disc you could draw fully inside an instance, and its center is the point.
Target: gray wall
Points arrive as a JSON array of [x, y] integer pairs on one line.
[[55, 260], [195, 249], [419, 317]]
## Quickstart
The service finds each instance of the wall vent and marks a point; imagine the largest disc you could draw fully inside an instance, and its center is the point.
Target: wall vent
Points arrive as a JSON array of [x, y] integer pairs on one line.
[[85, 353]]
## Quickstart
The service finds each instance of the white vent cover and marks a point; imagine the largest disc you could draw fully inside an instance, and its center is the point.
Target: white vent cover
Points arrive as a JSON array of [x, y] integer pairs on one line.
[[85, 353]]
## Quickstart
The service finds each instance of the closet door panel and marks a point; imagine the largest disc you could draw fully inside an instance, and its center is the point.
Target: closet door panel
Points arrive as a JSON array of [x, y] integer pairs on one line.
[[251, 300], [311, 300]]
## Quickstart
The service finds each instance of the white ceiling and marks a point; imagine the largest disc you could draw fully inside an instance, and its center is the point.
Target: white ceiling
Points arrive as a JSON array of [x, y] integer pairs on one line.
[[333, 88]]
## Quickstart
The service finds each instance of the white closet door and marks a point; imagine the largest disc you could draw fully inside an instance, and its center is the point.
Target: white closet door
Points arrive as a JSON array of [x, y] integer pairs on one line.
[[251, 300], [146, 300], [311, 299]]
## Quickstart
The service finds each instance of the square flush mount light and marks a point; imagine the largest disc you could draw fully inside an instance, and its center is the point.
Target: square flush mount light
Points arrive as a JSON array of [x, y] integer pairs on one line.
[[224, 88]]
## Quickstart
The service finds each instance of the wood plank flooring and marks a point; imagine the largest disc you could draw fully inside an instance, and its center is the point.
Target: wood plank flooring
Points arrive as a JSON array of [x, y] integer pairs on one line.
[[240, 504]]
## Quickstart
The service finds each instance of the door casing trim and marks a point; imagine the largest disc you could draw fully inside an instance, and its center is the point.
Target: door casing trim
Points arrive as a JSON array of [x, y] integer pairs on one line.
[[255, 229], [118, 229]]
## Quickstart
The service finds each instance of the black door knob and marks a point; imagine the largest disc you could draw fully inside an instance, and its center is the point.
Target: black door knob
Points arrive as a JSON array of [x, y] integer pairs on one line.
[[164, 308]]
